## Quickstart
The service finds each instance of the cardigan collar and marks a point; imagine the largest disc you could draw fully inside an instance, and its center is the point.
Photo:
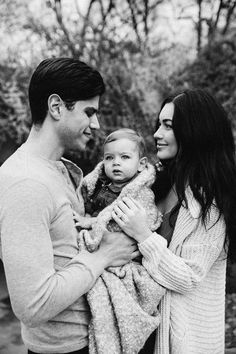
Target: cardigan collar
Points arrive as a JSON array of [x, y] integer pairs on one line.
[[193, 205], [186, 222]]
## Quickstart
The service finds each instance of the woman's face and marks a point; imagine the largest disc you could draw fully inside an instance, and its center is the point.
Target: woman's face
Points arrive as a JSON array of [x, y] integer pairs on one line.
[[166, 143]]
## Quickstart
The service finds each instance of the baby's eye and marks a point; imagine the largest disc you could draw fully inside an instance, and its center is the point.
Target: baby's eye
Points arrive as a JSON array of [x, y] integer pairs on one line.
[[108, 158], [125, 157]]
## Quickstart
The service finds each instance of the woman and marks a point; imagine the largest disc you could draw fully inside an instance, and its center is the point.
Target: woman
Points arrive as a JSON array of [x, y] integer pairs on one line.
[[196, 193]]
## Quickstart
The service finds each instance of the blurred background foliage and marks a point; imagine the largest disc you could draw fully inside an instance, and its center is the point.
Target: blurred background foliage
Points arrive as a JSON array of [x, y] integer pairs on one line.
[[145, 50]]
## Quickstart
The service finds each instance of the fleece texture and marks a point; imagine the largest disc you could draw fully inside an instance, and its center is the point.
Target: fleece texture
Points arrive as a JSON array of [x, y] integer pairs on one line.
[[124, 300]]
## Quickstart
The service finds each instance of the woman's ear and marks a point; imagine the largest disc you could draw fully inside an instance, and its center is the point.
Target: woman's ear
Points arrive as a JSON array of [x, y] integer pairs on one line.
[[55, 106], [142, 164]]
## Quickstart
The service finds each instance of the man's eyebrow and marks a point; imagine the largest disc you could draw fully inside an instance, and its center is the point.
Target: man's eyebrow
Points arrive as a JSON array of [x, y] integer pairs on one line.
[[91, 110]]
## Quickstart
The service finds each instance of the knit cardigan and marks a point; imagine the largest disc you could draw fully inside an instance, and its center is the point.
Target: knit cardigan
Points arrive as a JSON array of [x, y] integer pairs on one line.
[[193, 271], [123, 301]]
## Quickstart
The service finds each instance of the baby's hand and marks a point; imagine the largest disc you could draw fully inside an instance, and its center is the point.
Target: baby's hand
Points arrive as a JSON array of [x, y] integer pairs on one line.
[[76, 216], [83, 222]]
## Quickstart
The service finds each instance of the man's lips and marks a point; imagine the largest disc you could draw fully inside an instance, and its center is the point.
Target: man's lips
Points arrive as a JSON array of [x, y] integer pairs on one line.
[[88, 135]]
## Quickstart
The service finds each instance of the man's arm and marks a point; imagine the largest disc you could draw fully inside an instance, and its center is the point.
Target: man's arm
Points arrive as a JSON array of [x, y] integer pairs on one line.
[[38, 292]]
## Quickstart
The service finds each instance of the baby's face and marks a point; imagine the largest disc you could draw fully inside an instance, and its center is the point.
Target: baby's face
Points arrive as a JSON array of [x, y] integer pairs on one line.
[[121, 160]]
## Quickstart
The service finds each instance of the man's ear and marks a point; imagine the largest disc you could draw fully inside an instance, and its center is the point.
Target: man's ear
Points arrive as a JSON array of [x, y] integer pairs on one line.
[[55, 106], [142, 164]]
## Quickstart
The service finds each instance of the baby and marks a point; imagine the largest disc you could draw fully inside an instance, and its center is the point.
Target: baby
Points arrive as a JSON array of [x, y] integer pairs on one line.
[[124, 171], [123, 301]]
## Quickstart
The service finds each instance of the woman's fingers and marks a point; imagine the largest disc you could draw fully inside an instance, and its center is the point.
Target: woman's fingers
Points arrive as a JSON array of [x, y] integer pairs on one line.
[[131, 202], [117, 218], [121, 207]]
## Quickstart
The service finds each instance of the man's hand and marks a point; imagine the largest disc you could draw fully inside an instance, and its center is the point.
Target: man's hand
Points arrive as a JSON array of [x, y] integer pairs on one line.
[[117, 249]]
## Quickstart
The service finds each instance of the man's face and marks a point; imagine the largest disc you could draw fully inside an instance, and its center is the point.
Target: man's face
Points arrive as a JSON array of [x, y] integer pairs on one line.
[[77, 125]]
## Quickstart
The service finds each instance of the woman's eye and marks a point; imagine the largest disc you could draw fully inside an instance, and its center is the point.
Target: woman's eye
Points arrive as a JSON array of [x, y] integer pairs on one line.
[[168, 126]]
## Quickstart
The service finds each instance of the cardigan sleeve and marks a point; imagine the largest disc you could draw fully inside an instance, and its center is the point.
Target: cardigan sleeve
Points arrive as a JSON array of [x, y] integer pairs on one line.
[[196, 255]]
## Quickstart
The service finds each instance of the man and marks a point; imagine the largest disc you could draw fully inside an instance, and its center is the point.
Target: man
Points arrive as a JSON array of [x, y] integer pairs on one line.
[[46, 276]]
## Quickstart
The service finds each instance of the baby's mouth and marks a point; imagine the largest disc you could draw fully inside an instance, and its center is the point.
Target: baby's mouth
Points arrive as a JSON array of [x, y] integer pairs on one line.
[[115, 172]]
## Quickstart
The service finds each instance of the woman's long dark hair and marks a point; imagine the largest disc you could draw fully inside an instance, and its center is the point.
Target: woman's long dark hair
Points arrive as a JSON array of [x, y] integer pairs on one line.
[[205, 159]]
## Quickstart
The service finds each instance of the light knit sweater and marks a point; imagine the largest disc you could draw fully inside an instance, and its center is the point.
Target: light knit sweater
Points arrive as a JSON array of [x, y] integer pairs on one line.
[[193, 271], [46, 276]]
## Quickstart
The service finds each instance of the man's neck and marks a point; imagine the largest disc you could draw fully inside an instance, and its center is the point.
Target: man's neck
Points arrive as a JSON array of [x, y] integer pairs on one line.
[[43, 143]]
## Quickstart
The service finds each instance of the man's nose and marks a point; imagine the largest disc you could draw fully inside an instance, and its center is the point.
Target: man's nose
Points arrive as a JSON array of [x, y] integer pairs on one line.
[[94, 123]]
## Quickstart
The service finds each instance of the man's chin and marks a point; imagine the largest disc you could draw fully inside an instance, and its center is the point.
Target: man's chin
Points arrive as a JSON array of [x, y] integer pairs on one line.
[[76, 149]]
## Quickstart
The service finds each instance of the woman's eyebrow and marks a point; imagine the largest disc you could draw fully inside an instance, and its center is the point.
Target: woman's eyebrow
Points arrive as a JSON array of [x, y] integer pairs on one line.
[[166, 120]]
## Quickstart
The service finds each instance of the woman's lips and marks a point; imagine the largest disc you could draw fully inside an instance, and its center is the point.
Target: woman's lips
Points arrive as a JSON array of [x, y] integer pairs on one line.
[[159, 146]]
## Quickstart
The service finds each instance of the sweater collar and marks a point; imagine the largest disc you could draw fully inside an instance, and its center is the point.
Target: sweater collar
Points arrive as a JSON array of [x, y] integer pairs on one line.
[[75, 172]]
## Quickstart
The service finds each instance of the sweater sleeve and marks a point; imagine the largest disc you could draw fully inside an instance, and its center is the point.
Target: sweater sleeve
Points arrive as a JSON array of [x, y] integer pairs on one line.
[[198, 253], [38, 292]]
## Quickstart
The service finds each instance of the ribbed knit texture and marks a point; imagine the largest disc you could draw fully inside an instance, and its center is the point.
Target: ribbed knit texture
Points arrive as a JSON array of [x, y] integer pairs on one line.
[[193, 272]]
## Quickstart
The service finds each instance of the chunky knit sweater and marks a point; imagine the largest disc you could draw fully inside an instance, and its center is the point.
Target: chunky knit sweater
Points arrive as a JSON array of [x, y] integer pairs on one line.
[[193, 271]]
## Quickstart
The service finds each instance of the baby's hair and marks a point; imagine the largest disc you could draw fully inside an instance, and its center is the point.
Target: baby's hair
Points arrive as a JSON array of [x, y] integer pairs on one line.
[[130, 134]]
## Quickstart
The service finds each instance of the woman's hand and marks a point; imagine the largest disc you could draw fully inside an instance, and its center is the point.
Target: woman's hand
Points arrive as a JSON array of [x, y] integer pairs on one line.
[[132, 219]]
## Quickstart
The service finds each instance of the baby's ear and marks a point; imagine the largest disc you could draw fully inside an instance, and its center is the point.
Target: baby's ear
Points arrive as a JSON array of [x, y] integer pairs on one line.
[[142, 164]]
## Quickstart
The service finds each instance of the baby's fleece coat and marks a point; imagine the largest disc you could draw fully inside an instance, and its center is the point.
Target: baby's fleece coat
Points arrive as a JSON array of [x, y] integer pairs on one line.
[[124, 300], [138, 188]]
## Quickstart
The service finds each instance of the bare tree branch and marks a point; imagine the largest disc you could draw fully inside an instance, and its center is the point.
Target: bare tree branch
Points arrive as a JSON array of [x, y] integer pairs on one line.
[[145, 17], [85, 26], [134, 20], [228, 17], [58, 11], [105, 13], [218, 14], [199, 26]]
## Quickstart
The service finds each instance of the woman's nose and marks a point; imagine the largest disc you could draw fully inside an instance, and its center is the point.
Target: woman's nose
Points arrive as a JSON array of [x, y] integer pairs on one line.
[[94, 123], [158, 134]]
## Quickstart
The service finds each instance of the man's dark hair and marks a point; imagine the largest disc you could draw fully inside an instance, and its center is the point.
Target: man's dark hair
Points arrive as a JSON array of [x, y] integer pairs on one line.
[[71, 79]]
